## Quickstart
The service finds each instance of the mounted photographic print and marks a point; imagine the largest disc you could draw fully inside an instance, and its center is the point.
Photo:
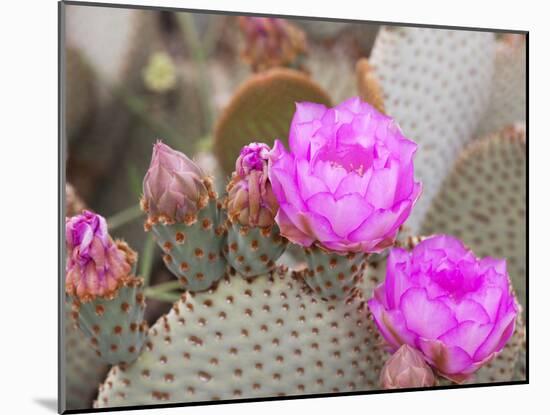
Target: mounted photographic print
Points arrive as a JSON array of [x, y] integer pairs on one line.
[[286, 207]]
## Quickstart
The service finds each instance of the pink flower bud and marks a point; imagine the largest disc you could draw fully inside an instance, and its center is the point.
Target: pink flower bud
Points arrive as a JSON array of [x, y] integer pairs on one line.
[[406, 368], [250, 200], [96, 265], [174, 188]]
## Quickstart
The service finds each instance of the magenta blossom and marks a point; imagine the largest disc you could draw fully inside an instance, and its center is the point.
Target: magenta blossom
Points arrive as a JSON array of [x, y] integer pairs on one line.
[[96, 265], [250, 199], [271, 42], [456, 309], [253, 156], [348, 182]]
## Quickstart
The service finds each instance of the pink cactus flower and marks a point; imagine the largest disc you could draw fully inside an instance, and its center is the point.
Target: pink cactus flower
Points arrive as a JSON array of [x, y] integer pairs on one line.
[[250, 200], [271, 42], [348, 182], [174, 187], [406, 368], [456, 309], [96, 265]]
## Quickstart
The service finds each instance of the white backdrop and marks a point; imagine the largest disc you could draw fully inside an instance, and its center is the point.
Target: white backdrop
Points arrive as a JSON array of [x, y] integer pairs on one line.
[[28, 277]]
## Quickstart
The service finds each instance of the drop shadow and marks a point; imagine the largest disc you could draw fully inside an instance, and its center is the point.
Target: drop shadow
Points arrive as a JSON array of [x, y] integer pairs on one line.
[[47, 403]]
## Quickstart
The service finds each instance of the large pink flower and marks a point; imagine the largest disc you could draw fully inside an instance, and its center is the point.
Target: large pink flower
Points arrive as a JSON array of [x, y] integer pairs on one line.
[[456, 309], [348, 181]]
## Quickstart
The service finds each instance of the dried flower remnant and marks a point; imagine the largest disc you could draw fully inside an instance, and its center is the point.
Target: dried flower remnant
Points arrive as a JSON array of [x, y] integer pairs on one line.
[[96, 265]]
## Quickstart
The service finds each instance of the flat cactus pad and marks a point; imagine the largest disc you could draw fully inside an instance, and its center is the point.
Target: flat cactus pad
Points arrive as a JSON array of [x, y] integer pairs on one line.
[[436, 84], [261, 110], [483, 201]]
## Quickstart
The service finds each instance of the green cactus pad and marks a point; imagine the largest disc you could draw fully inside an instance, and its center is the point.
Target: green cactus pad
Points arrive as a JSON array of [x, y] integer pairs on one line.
[[84, 369], [193, 253], [251, 250], [261, 110], [263, 337], [483, 202], [508, 93], [115, 327], [436, 85], [333, 69], [368, 85], [333, 275]]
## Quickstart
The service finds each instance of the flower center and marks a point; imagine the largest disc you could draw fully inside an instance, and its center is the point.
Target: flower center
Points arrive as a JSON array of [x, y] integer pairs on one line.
[[354, 158]]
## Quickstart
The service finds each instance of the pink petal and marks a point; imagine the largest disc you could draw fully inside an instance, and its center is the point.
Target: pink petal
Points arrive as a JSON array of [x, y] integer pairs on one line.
[[406, 187], [499, 265], [364, 129], [309, 223], [489, 298], [466, 310], [290, 231], [352, 105], [391, 325], [308, 111], [397, 276], [279, 160], [381, 223], [379, 293], [302, 127], [468, 335], [354, 183], [448, 360], [301, 137], [344, 214], [329, 173], [287, 187], [382, 186], [428, 318], [448, 245], [498, 337], [309, 184]]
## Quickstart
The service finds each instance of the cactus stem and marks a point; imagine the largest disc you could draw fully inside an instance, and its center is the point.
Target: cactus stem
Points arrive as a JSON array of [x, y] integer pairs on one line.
[[163, 287], [124, 216], [147, 260]]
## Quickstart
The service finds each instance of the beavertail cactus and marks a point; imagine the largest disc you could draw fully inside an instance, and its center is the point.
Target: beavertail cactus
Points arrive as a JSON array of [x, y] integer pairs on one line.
[[483, 201], [270, 336], [184, 216], [107, 300], [436, 83], [253, 240]]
